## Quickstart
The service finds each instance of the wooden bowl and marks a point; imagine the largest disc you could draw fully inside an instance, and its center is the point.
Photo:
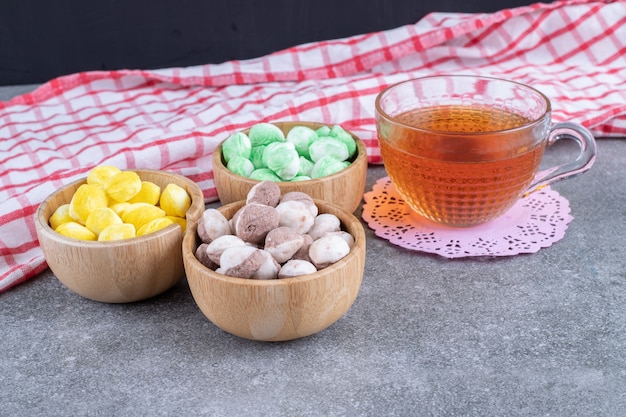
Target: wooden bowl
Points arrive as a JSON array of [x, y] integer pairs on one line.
[[278, 309], [118, 271], [344, 189]]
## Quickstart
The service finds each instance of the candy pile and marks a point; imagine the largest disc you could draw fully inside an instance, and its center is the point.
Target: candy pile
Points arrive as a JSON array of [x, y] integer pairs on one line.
[[265, 153], [271, 236], [116, 204]]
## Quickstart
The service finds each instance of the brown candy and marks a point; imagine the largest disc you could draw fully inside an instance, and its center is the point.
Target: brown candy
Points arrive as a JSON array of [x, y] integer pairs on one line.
[[269, 231], [203, 256], [265, 192], [252, 222]]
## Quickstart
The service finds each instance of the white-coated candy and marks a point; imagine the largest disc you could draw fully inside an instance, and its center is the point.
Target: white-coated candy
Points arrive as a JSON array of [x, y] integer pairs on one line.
[[302, 197], [215, 249], [269, 268], [296, 215], [241, 261], [295, 268], [261, 237], [324, 224], [303, 252], [234, 256], [345, 236], [283, 243], [328, 250], [212, 225]]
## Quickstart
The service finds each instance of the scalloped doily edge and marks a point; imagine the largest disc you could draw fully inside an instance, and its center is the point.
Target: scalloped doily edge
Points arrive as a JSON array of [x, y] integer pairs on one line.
[[452, 247]]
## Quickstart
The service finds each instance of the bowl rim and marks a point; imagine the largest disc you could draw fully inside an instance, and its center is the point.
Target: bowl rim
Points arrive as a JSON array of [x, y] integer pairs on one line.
[[359, 240], [44, 227], [218, 161]]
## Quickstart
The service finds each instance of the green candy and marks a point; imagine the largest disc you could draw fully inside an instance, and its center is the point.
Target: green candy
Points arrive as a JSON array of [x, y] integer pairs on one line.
[[323, 131], [264, 174], [283, 159], [236, 145], [328, 146], [306, 165], [256, 156], [265, 133], [240, 166], [327, 165], [302, 137], [340, 134], [265, 154]]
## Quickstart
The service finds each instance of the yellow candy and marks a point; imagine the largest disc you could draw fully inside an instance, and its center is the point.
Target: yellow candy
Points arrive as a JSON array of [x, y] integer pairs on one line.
[[116, 204], [139, 214], [149, 193], [120, 208], [123, 186], [87, 198], [99, 174], [117, 232], [61, 215], [101, 218], [175, 200], [179, 221], [154, 225], [75, 231]]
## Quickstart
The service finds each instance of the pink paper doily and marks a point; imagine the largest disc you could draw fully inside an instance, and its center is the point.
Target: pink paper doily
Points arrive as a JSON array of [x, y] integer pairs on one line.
[[534, 222]]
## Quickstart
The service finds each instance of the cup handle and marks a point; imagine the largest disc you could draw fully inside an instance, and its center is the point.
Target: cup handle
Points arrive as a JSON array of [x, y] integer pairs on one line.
[[583, 162]]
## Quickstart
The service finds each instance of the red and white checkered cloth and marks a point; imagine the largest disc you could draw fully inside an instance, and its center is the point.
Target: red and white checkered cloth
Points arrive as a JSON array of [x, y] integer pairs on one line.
[[172, 119]]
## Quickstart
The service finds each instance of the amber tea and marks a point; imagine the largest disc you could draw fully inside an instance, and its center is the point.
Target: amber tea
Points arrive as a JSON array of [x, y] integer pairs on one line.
[[461, 150], [471, 179]]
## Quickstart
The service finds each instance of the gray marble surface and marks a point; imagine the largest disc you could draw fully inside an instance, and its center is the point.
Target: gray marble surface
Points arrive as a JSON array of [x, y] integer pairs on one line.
[[542, 334]]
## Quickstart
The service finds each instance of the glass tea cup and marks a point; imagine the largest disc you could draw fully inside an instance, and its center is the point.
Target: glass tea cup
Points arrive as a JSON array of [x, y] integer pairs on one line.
[[461, 150]]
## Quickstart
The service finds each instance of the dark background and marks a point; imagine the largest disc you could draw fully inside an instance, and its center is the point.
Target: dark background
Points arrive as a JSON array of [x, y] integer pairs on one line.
[[43, 39]]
